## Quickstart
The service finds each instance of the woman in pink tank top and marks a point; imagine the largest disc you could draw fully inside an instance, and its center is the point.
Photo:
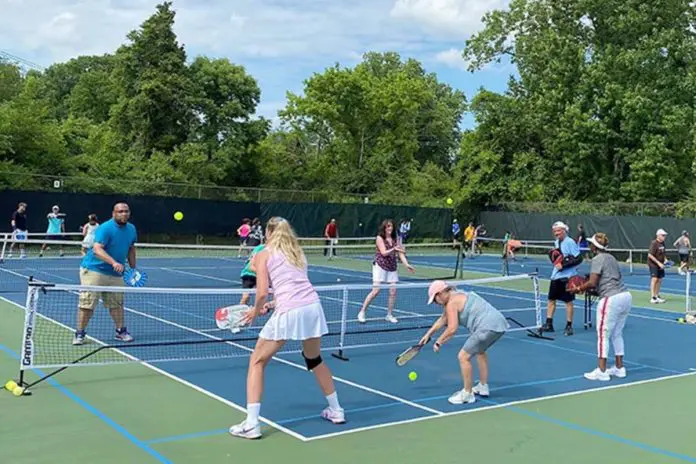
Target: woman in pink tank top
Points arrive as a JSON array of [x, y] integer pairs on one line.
[[297, 315]]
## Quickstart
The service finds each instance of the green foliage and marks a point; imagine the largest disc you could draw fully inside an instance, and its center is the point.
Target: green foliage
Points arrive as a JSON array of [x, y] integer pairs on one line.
[[602, 107], [604, 103], [372, 129]]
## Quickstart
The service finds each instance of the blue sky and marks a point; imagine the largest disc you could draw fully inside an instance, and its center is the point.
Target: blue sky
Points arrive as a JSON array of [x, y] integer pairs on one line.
[[279, 42]]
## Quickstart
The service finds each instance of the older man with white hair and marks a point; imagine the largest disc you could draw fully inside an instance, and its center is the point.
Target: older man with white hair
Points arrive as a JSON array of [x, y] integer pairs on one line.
[[566, 257]]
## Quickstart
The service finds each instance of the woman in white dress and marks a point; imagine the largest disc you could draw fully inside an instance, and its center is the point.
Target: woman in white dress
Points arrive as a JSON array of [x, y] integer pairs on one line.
[[88, 231]]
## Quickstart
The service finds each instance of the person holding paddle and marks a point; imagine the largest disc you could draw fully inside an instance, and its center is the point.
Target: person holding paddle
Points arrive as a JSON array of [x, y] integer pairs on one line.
[[485, 325], [102, 266], [297, 315], [612, 309]]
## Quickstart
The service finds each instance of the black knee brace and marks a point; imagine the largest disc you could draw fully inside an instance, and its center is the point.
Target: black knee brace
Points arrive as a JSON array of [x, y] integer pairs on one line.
[[312, 363]]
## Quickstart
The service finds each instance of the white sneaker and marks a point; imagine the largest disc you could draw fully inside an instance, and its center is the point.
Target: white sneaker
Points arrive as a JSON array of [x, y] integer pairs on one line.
[[481, 390], [598, 375], [616, 372], [361, 317], [337, 416], [656, 300], [462, 396], [79, 338], [245, 431], [391, 318]]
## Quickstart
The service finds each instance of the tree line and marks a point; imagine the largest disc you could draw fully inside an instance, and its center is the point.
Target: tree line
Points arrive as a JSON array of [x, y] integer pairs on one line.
[[601, 107]]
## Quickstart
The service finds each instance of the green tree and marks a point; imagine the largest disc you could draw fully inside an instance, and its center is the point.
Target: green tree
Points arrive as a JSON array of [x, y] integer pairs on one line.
[[153, 111], [604, 99]]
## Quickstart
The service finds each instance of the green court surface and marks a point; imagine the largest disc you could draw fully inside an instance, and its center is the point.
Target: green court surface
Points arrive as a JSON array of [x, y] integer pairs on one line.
[[130, 413]]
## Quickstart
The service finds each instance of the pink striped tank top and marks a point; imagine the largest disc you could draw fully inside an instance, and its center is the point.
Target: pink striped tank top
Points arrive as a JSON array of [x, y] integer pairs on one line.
[[291, 286]]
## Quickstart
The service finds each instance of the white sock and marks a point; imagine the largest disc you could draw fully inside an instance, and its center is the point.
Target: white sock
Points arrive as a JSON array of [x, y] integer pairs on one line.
[[333, 401], [253, 411]]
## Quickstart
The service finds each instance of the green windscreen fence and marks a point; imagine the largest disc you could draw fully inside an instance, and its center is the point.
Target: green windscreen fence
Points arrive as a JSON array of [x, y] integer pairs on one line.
[[360, 220], [630, 232], [155, 215]]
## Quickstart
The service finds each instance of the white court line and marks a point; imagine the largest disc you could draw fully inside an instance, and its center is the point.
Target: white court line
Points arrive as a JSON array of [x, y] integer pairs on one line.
[[219, 279], [175, 378], [499, 406]]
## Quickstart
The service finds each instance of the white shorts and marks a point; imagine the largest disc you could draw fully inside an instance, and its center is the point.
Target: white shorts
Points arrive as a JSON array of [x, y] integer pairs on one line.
[[19, 234], [381, 276], [297, 324], [612, 313]]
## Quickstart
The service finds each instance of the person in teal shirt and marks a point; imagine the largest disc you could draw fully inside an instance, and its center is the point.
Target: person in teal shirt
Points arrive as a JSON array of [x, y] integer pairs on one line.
[[248, 275]]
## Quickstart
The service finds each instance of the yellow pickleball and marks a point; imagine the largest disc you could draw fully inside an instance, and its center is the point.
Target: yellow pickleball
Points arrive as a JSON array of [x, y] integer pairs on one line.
[[178, 215], [412, 376], [450, 201]]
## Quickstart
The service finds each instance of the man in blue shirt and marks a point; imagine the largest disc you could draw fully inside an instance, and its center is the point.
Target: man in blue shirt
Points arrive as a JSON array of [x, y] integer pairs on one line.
[[562, 271], [114, 243]]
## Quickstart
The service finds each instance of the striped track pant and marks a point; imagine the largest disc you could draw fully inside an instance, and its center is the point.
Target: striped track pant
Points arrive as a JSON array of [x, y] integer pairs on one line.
[[612, 313]]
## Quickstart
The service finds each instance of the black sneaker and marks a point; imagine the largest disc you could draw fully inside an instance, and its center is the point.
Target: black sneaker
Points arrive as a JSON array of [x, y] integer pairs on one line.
[[547, 327], [568, 330]]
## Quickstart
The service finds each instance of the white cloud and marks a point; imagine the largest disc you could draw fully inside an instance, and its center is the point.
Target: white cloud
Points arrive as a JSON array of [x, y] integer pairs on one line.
[[452, 58], [457, 18]]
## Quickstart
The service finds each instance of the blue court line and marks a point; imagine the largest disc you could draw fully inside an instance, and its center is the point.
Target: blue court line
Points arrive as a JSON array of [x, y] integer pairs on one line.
[[597, 433], [103, 417], [206, 433]]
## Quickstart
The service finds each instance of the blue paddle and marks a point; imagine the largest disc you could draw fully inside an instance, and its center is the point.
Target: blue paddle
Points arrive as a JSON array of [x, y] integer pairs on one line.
[[134, 277]]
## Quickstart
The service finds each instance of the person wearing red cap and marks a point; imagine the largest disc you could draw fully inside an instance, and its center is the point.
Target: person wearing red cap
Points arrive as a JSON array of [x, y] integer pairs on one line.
[[485, 325]]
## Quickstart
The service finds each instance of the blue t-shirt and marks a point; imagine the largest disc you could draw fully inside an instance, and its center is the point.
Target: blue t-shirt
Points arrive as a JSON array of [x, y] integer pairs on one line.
[[569, 248], [116, 240]]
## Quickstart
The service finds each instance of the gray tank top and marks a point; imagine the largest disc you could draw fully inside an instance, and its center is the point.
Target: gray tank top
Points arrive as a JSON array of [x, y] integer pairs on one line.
[[479, 314]]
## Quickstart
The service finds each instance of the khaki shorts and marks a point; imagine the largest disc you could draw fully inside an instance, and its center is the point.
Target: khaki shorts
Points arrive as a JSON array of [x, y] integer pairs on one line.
[[90, 300]]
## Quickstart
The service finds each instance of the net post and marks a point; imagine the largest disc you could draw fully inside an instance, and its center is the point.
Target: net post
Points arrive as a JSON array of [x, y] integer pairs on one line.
[[538, 309], [4, 248], [26, 358], [687, 308], [344, 319], [630, 261]]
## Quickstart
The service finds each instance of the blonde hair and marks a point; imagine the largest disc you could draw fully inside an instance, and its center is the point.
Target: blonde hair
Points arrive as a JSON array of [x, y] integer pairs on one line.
[[282, 237]]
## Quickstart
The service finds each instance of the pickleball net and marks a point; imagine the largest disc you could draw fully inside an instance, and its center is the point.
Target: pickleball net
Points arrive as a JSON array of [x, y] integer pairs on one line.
[[178, 324], [214, 266]]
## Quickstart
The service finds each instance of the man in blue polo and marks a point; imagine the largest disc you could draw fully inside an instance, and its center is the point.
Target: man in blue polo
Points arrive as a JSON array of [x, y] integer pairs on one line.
[[114, 243], [562, 271]]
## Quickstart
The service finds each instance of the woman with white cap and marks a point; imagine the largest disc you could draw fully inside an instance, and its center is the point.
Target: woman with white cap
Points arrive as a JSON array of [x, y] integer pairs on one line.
[[612, 308], [485, 325]]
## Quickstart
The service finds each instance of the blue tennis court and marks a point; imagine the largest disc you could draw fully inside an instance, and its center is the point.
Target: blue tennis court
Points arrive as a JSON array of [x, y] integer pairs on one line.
[[374, 391]]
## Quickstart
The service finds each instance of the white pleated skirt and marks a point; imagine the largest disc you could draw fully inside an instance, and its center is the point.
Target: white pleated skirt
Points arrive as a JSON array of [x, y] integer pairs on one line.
[[297, 324]]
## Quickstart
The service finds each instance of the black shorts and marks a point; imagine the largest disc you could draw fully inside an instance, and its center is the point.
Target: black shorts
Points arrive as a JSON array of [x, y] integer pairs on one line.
[[684, 257], [248, 282], [54, 237], [657, 272], [558, 291]]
